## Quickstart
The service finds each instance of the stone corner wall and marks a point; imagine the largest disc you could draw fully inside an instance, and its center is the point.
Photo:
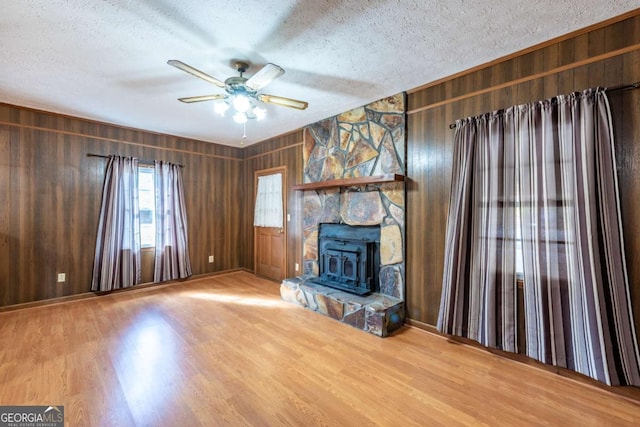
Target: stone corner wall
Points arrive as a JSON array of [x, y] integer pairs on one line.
[[366, 141]]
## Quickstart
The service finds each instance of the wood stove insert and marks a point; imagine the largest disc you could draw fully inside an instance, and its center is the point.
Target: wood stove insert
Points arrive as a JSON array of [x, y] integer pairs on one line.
[[349, 257]]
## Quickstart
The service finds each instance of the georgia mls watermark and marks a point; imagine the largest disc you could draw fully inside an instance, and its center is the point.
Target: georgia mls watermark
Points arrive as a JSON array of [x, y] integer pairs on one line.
[[31, 416]]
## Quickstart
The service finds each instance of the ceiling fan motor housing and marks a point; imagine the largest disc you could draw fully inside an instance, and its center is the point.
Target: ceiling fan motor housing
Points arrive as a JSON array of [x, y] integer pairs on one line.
[[236, 85]]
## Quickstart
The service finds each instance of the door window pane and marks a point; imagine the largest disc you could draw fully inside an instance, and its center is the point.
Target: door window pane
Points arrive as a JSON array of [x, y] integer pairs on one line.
[[268, 210]]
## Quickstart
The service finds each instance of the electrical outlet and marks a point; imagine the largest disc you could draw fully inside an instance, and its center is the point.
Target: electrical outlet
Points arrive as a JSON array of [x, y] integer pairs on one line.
[[62, 277], [288, 217], [297, 266], [210, 259]]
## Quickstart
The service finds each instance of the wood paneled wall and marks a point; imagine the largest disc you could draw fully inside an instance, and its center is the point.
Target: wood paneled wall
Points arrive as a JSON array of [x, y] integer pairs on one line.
[[50, 191], [285, 150], [607, 55], [50, 196], [604, 55]]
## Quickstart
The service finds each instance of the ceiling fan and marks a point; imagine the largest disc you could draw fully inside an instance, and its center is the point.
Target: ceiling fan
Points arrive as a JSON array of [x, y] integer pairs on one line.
[[241, 90]]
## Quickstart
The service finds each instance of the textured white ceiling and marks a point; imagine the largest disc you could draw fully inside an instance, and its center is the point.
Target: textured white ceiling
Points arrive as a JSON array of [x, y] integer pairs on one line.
[[106, 60]]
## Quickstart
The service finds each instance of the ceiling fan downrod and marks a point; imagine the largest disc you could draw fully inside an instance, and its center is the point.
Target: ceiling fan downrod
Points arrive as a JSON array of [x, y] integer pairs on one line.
[[241, 67]]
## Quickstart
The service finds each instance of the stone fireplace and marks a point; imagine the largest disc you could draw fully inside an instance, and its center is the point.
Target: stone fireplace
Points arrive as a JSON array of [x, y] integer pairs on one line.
[[350, 153]]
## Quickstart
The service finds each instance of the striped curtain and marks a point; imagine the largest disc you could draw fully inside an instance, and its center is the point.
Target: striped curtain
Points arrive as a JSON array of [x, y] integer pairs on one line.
[[577, 304], [117, 257], [479, 285], [172, 245]]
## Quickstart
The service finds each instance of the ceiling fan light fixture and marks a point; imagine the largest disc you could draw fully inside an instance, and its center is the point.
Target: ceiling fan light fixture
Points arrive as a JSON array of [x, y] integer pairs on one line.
[[241, 103], [240, 117], [260, 113], [220, 108]]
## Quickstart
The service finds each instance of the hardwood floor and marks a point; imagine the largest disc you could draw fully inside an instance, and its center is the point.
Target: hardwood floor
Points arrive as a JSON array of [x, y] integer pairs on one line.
[[225, 350]]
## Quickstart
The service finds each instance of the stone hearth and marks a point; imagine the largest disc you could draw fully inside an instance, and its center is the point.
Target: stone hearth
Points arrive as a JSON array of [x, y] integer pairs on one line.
[[376, 313]]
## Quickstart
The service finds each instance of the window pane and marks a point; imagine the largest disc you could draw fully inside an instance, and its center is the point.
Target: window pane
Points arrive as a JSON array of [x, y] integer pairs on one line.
[[147, 201], [519, 256]]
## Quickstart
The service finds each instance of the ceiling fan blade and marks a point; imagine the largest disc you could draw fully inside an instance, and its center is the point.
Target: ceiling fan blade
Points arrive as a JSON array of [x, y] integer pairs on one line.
[[195, 72], [266, 75], [201, 98], [285, 102]]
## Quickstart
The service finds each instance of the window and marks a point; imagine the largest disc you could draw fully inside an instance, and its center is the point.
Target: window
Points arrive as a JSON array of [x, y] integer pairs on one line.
[[147, 205]]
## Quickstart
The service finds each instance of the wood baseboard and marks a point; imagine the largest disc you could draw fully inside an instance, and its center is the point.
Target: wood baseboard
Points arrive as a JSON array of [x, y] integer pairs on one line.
[[136, 288], [628, 392], [421, 325]]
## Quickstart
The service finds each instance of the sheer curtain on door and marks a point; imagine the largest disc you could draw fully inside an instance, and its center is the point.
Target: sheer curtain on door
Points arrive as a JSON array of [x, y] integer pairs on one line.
[[268, 210]]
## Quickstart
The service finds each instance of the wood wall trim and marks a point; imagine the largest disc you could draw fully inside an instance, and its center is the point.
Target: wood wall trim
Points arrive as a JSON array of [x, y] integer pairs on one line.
[[266, 153], [119, 141], [529, 78], [102, 123], [542, 45]]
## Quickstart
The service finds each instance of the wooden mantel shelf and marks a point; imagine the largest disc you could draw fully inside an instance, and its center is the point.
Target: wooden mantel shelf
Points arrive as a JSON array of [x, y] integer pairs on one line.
[[350, 182]]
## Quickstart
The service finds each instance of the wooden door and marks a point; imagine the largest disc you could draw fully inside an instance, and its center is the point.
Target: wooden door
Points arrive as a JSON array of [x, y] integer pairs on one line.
[[270, 243], [270, 253]]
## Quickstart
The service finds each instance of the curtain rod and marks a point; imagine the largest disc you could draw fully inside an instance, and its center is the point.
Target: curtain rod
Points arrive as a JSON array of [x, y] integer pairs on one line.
[[619, 88], [148, 162]]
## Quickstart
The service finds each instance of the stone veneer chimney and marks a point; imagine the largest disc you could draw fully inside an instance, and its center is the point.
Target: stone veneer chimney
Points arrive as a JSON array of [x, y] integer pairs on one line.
[[366, 141]]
